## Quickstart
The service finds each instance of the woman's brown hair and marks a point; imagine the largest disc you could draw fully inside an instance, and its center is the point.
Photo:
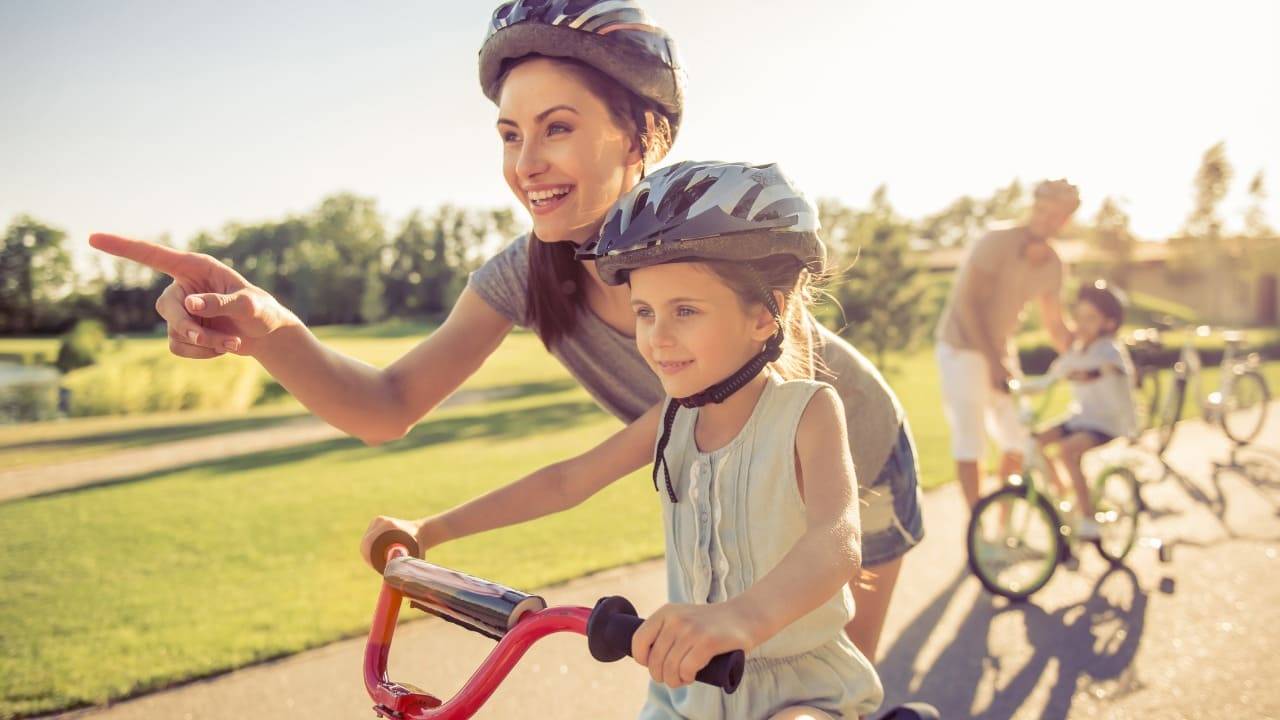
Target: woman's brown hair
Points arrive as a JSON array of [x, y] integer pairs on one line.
[[555, 291]]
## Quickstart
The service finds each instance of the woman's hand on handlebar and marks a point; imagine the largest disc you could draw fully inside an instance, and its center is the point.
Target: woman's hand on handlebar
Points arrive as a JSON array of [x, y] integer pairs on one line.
[[680, 639], [382, 524], [210, 308]]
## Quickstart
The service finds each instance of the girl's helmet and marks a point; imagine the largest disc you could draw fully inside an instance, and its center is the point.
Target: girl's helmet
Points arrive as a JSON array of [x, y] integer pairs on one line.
[[706, 211], [616, 37]]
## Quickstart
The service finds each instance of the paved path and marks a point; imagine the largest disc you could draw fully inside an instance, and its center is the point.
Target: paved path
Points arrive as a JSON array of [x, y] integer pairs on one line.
[[1194, 638]]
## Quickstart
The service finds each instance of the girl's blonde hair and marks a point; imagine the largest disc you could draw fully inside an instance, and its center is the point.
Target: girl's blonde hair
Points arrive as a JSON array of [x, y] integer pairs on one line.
[[797, 284]]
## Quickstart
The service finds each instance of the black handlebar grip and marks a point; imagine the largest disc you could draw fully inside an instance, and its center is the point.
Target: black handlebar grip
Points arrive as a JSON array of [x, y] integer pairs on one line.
[[612, 624], [384, 541]]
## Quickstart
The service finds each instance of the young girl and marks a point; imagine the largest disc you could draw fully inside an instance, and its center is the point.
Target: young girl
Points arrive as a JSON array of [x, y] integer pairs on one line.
[[752, 466], [1101, 375]]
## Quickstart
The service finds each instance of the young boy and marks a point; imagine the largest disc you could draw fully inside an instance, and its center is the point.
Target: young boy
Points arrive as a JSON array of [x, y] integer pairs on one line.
[[1101, 376]]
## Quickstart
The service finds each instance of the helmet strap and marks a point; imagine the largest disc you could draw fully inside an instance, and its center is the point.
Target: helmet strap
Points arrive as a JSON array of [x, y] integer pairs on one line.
[[719, 392]]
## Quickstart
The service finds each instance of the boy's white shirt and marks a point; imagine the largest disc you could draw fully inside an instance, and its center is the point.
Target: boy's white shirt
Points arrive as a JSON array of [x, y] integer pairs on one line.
[[1104, 404]]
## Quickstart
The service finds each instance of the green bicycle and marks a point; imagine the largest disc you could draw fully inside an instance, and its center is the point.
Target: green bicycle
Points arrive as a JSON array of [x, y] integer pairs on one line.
[[1020, 534]]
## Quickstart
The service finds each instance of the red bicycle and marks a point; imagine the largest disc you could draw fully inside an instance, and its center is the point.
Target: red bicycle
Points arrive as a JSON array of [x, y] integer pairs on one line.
[[513, 618]]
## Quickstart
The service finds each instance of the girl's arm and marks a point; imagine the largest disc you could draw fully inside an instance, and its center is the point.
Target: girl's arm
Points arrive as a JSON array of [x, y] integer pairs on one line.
[[550, 490], [830, 552]]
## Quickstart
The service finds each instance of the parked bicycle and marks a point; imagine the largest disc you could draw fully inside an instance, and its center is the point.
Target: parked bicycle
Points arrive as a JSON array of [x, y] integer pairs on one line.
[[1146, 350], [1238, 405], [513, 618], [1020, 534]]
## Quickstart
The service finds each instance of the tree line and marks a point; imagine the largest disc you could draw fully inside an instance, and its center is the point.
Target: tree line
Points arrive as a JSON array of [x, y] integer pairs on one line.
[[338, 263]]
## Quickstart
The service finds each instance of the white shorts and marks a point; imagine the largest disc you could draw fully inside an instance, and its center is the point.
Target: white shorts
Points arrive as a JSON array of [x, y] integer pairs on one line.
[[974, 408]]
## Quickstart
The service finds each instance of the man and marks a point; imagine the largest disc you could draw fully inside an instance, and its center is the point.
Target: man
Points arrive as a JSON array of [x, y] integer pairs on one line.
[[1000, 273]]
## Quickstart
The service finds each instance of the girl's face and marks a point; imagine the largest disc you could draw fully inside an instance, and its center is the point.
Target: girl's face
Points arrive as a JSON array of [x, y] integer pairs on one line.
[[1090, 322], [563, 155], [692, 328]]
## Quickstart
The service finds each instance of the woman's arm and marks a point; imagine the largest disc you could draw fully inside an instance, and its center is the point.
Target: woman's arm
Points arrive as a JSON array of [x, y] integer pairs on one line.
[[830, 552], [550, 490], [381, 405], [211, 309]]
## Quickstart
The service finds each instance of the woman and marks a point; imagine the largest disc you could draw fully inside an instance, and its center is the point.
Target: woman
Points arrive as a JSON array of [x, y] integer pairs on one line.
[[589, 95]]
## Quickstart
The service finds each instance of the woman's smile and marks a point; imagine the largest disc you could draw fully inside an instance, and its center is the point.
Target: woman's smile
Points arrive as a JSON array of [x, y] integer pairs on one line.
[[545, 199]]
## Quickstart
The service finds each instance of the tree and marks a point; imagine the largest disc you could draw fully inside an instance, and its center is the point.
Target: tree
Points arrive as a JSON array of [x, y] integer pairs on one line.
[[1111, 236], [35, 272], [883, 295], [346, 237], [1202, 242], [430, 258], [967, 217], [1255, 218]]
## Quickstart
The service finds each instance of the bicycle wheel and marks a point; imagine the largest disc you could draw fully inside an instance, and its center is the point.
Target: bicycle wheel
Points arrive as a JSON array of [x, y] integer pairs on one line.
[[1116, 505], [1244, 407], [1169, 414], [1014, 542]]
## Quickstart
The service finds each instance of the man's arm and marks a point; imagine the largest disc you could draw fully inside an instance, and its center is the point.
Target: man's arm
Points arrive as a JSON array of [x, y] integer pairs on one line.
[[1060, 334]]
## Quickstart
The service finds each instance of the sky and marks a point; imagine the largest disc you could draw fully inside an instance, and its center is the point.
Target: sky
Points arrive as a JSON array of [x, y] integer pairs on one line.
[[147, 118]]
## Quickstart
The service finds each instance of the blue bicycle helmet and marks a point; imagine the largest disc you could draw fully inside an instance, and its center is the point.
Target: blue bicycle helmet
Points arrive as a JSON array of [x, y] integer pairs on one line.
[[709, 211]]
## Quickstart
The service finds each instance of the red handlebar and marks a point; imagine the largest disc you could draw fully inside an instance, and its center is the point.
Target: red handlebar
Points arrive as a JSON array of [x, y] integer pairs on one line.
[[403, 702], [514, 619]]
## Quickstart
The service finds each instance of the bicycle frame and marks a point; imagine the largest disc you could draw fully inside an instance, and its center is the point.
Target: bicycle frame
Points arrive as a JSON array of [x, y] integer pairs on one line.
[[1187, 371], [1032, 458], [515, 619]]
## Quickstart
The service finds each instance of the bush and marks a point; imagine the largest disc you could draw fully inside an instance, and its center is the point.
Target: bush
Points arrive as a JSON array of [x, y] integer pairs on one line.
[[82, 346], [161, 383]]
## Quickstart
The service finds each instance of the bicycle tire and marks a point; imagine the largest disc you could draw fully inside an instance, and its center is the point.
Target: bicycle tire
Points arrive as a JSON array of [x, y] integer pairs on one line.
[[1119, 533], [1245, 379], [1170, 414], [982, 563]]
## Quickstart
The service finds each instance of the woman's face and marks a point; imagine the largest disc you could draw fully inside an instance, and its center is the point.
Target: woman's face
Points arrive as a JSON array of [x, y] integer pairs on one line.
[[563, 155]]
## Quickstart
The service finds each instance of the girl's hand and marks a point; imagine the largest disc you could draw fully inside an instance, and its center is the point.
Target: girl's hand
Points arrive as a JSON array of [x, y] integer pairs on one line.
[[382, 524], [210, 308], [679, 640]]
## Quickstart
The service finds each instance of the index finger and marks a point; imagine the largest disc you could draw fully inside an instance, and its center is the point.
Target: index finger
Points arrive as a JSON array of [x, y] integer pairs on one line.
[[157, 257]]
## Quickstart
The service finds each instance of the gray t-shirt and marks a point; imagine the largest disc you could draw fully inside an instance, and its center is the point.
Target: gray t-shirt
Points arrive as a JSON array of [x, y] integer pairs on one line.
[[610, 367]]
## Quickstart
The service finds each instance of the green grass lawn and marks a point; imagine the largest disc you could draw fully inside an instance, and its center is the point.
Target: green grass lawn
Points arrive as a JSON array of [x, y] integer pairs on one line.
[[181, 574], [119, 589]]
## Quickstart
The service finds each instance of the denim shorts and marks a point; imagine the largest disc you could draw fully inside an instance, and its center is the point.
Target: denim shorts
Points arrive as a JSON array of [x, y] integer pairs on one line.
[[890, 507]]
